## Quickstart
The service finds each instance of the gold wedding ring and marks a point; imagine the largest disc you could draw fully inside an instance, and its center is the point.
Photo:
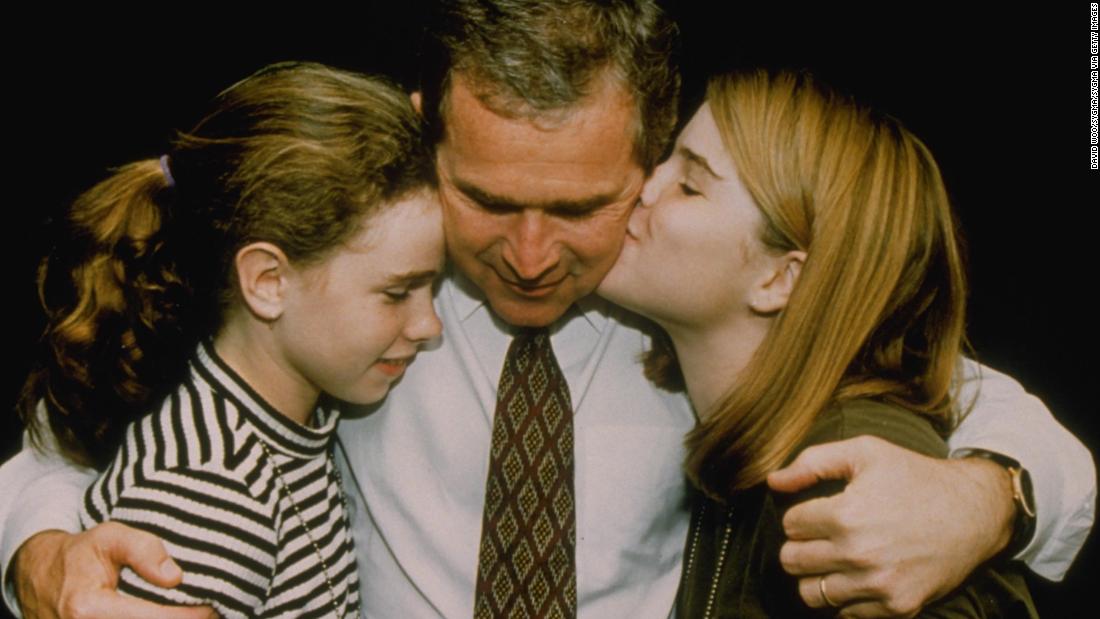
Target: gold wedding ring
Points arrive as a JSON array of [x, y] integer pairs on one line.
[[825, 596]]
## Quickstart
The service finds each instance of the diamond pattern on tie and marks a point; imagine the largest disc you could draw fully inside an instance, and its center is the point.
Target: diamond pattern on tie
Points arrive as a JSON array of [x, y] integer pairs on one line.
[[527, 560]]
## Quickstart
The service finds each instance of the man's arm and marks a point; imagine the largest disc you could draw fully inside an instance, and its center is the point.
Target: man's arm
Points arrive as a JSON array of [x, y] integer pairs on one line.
[[906, 529], [55, 572], [59, 574], [41, 492], [1009, 421]]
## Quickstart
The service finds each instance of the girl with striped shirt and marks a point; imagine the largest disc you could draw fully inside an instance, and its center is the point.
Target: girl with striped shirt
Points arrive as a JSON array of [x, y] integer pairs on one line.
[[278, 259]]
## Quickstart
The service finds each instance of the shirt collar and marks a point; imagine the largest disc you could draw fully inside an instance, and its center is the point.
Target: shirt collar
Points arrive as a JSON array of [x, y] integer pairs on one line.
[[275, 429]]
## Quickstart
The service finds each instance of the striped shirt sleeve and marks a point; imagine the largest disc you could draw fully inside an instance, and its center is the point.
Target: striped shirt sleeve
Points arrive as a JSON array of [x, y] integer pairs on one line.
[[222, 537]]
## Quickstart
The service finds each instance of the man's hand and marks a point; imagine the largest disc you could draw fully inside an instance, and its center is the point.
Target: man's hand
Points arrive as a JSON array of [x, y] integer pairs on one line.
[[906, 530], [58, 574]]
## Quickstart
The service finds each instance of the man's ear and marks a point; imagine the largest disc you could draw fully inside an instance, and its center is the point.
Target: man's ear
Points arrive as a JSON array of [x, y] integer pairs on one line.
[[417, 102], [262, 270], [774, 290]]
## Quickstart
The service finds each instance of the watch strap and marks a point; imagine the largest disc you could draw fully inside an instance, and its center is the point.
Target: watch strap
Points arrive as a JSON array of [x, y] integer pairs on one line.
[[1023, 496]]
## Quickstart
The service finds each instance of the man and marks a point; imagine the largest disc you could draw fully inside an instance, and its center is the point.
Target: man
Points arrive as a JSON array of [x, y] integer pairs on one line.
[[547, 116]]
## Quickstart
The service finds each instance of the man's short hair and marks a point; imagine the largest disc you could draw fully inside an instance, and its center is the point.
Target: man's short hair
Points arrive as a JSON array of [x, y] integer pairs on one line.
[[539, 59]]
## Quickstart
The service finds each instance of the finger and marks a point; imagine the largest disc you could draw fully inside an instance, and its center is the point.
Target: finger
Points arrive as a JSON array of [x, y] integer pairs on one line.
[[862, 610], [812, 557], [867, 610], [143, 552], [860, 594], [841, 589], [117, 606], [810, 589], [837, 460], [813, 519]]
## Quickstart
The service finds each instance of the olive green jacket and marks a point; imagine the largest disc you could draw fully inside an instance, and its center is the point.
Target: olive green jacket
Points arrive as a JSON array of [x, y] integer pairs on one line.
[[731, 562]]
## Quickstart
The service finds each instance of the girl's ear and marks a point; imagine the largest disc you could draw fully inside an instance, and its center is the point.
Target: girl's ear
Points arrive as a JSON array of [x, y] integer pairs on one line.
[[417, 101], [262, 270], [774, 290]]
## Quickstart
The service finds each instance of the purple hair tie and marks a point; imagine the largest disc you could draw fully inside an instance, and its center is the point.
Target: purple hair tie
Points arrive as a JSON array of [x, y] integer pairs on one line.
[[167, 173]]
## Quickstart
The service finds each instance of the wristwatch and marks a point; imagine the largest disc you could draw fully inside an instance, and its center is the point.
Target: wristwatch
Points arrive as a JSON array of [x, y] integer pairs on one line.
[[1023, 528]]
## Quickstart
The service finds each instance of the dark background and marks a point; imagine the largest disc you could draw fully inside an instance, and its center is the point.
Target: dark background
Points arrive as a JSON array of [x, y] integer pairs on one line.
[[1000, 96]]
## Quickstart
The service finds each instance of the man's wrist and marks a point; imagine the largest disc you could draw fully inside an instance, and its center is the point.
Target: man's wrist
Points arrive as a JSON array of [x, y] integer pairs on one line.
[[1014, 485], [989, 487], [33, 555]]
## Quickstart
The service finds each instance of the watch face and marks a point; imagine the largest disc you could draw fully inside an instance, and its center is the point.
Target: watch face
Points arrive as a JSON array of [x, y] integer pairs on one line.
[[1022, 493], [1021, 489]]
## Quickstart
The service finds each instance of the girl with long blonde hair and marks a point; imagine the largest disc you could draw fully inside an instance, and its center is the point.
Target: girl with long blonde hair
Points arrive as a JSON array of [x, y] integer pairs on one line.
[[800, 252]]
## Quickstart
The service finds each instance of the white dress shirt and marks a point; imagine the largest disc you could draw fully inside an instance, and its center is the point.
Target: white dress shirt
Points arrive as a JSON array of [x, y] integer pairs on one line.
[[417, 465], [421, 461], [1007, 420]]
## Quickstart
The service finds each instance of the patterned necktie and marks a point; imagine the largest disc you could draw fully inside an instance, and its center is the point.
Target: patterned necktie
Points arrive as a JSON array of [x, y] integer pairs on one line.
[[527, 565]]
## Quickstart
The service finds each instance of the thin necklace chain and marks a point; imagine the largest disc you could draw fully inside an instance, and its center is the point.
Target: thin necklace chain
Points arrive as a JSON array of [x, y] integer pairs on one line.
[[309, 533]]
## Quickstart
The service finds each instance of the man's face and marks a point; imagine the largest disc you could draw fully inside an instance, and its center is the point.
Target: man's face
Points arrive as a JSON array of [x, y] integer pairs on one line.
[[535, 214]]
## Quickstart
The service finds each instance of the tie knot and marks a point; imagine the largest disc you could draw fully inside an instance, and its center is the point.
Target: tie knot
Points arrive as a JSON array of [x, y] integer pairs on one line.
[[532, 336], [528, 344]]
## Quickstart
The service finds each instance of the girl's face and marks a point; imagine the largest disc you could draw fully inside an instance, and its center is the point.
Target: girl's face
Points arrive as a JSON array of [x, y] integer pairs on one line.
[[353, 322], [692, 245]]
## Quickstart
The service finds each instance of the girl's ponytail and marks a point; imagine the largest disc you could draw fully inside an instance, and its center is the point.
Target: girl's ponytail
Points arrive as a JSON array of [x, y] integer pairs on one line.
[[297, 154], [114, 336]]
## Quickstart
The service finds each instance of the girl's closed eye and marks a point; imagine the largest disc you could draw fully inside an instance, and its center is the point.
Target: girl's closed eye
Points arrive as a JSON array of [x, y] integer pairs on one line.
[[689, 190], [328, 304], [396, 295]]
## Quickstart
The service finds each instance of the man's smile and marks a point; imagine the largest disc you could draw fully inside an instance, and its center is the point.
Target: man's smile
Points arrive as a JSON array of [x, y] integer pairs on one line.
[[532, 290]]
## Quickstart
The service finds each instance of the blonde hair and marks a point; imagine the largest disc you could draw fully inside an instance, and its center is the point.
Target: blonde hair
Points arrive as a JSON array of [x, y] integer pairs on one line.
[[296, 154], [878, 309]]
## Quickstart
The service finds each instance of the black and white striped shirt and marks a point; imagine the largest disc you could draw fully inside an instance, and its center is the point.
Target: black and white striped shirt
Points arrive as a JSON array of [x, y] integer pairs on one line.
[[196, 474]]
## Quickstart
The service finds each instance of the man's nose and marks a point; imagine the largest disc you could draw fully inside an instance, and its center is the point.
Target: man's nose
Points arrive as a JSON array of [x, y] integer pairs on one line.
[[533, 252]]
